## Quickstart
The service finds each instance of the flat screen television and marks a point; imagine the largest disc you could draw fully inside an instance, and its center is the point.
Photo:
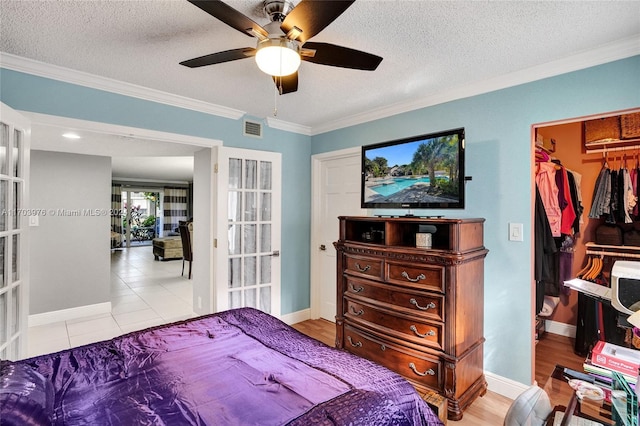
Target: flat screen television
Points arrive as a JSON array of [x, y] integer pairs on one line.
[[419, 172]]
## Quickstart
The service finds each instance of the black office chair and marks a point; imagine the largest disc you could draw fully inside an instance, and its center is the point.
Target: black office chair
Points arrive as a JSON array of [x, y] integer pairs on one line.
[[185, 236]]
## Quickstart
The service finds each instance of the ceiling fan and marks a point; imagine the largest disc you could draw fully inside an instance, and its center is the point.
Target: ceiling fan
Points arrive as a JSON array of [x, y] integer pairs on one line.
[[283, 42]]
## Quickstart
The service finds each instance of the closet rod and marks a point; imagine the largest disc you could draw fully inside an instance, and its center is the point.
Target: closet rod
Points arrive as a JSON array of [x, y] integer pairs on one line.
[[613, 254], [612, 251], [612, 149]]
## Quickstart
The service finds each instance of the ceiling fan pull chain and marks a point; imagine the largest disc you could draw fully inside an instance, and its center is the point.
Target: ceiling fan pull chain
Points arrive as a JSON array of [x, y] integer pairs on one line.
[[277, 92]]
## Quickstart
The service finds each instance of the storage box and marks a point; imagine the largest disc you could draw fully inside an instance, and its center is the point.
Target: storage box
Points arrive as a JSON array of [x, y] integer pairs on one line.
[[423, 240], [616, 358]]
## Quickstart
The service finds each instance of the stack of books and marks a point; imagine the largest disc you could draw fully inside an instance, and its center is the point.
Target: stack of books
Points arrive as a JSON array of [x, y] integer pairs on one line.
[[607, 357]]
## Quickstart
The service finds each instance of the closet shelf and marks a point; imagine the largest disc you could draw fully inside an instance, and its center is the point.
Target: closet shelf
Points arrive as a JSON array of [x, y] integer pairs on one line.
[[612, 145], [613, 251]]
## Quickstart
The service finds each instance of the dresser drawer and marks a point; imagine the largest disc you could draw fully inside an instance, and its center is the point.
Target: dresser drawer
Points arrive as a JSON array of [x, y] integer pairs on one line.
[[426, 305], [427, 277], [364, 266], [414, 365], [421, 333]]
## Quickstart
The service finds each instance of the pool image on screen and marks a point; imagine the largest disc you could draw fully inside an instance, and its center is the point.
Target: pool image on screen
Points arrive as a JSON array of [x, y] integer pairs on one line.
[[419, 172]]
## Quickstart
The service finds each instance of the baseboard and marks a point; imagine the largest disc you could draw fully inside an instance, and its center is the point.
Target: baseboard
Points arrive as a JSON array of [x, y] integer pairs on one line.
[[560, 328], [295, 317], [69, 314], [503, 386]]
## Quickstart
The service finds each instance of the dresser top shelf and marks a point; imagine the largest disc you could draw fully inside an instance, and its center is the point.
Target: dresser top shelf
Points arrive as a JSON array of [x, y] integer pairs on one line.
[[445, 234]]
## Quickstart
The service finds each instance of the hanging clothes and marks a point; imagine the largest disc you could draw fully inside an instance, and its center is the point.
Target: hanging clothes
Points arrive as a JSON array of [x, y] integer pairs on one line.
[[568, 214], [574, 180], [601, 204], [630, 199], [545, 272], [546, 185]]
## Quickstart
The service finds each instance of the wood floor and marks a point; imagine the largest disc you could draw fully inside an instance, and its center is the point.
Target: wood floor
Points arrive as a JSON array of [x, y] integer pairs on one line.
[[492, 407]]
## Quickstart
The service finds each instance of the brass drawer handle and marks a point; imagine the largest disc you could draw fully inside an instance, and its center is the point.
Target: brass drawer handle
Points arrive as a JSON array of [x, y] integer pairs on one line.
[[414, 302], [361, 269], [417, 333], [429, 372], [355, 345], [413, 280], [354, 312], [354, 289]]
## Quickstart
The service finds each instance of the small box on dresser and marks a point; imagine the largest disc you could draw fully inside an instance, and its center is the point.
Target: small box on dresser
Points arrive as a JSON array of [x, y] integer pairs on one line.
[[418, 311]]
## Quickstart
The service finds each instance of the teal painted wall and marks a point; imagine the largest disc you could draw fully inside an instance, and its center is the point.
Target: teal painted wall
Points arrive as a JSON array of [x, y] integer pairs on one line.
[[499, 158], [46, 96]]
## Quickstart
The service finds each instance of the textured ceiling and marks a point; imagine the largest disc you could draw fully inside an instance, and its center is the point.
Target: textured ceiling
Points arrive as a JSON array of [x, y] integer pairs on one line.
[[430, 48]]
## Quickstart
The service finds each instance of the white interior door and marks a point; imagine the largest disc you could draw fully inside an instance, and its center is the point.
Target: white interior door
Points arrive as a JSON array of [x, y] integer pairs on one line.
[[336, 193], [248, 230], [14, 219]]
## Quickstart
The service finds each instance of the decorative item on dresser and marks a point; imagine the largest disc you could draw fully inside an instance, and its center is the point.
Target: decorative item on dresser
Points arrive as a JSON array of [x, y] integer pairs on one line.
[[417, 311]]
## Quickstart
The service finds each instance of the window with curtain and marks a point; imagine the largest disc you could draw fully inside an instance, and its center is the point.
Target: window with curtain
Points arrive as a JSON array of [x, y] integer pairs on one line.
[[174, 208]]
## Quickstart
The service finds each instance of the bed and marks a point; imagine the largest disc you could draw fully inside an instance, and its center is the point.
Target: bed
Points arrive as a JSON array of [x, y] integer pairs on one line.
[[238, 367]]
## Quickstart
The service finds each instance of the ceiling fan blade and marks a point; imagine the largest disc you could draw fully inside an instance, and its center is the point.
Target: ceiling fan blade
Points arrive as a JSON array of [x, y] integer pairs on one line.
[[220, 57], [312, 16], [231, 17], [338, 56], [286, 84]]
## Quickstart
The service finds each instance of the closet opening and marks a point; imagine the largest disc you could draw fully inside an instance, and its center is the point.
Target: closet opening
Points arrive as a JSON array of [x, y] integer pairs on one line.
[[586, 180]]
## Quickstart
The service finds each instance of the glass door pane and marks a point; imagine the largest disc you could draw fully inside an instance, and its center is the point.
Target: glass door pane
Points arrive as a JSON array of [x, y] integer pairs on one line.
[[249, 216], [4, 147], [13, 318]]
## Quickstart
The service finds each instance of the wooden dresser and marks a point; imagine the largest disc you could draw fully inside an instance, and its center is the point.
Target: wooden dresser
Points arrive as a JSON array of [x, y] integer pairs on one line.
[[417, 311]]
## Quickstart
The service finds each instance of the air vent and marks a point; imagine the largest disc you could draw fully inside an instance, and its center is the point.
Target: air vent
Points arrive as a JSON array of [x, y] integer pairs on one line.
[[252, 128]]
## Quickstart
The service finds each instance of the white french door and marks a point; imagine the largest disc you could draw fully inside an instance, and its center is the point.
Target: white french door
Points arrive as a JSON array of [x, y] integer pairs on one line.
[[14, 218], [249, 213]]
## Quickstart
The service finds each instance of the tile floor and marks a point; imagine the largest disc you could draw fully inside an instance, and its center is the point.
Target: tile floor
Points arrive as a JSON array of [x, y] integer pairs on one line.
[[144, 293]]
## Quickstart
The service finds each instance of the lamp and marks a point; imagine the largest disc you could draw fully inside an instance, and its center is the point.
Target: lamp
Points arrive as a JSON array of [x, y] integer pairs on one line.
[[278, 56]]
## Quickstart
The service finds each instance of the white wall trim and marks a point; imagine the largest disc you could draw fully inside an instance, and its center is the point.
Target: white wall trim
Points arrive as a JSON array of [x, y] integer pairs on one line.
[[560, 328], [287, 126], [610, 52], [69, 314], [504, 386], [67, 75], [295, 317], [114, 129]]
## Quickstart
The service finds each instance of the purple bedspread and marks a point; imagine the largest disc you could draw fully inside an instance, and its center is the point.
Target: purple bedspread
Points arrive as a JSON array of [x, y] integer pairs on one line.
[[239, 367]]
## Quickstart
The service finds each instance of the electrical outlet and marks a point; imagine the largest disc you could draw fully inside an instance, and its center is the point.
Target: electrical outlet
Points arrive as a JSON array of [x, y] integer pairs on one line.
[[516, 231], [199, 302]]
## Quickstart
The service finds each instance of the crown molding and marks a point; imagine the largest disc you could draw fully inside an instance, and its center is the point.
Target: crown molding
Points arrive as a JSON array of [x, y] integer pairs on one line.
[[609, 52], [67, 75], [287, 126]]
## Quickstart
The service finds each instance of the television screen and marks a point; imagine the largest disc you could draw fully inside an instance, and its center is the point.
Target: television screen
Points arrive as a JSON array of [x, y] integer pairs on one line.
[[425, 171]]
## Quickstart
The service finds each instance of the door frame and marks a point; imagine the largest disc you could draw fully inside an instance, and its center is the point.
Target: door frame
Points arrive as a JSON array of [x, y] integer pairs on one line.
[[317, 161], [201, 245]]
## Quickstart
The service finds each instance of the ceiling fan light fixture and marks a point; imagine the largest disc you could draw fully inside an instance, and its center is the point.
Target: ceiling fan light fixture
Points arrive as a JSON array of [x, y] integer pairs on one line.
[[278, 56]]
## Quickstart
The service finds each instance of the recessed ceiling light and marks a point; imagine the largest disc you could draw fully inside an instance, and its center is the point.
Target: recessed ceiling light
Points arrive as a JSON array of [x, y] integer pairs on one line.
[[71, 136]]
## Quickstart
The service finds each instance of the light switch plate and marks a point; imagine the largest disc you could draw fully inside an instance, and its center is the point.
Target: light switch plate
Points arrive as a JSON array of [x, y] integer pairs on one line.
[[515, 232]]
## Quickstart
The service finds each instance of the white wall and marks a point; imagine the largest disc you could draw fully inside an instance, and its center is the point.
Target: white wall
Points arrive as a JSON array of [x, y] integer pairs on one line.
[[203, 219], [69, 250]]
